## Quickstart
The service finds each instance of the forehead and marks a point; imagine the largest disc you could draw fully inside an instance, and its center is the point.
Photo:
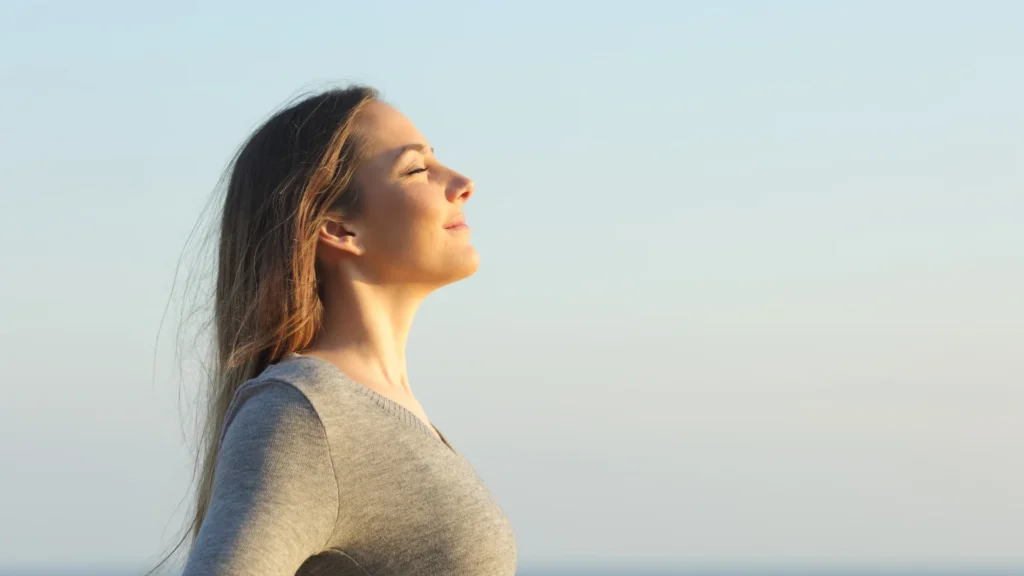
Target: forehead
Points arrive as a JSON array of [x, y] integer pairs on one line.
[[386, 129]]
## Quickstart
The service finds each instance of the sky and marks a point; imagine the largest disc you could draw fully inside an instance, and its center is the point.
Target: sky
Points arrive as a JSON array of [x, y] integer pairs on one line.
[[750, 272]]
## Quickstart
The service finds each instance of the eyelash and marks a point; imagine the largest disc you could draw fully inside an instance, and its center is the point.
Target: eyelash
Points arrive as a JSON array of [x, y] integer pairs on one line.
[[415, 171]]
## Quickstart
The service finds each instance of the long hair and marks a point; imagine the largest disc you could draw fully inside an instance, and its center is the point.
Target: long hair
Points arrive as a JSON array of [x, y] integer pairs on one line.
[[291, 176]]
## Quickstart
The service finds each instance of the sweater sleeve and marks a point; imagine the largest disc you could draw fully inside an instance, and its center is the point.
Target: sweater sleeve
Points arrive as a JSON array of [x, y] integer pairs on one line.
[[275, 494]]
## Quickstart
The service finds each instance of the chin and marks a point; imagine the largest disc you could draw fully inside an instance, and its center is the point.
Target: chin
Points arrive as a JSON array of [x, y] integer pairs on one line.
[[464, 266]]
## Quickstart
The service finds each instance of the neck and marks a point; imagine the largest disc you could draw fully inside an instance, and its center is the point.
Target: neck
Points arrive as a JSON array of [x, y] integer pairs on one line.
[[365, 331]]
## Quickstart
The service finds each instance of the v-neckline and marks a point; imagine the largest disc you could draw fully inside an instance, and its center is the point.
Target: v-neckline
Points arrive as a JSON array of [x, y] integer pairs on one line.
[[392, 407]]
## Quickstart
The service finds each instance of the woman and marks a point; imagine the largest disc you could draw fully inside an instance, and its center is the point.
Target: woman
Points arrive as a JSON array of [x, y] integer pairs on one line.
[[338, 222]]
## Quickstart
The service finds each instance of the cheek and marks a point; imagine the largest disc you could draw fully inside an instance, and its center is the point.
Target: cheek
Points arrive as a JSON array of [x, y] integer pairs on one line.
[[411, 219], [422, 208]]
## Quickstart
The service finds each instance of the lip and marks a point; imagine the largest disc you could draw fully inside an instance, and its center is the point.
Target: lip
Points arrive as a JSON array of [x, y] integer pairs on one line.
[[457, 224]]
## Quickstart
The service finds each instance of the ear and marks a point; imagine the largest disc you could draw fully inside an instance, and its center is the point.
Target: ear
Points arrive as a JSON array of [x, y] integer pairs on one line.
[[340, 236]]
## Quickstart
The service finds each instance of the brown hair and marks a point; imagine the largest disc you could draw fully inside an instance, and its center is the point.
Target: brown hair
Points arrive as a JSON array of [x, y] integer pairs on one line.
[[292, 175]]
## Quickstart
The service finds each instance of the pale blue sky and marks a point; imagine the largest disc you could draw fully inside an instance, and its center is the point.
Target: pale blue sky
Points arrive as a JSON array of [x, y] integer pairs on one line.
[[750, 283]]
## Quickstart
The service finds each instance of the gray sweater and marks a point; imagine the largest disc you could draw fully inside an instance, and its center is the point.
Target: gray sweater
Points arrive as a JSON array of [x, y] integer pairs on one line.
[[318, 474]]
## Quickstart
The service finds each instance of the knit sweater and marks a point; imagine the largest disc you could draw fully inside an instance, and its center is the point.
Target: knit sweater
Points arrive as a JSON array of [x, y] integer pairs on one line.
[[318, 474]]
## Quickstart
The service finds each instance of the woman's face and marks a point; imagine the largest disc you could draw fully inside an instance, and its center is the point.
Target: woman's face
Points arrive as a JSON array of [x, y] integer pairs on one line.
[[408, 230]]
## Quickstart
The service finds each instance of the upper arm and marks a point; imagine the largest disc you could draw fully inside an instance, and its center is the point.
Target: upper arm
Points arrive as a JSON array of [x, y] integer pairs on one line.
[[275, 496]]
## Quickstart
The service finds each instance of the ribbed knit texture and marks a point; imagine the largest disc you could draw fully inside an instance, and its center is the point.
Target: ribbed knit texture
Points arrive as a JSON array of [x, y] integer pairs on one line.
[[318, 474]]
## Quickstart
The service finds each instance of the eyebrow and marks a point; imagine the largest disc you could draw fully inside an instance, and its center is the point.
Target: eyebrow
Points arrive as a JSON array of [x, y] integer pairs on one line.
[[418, 147]]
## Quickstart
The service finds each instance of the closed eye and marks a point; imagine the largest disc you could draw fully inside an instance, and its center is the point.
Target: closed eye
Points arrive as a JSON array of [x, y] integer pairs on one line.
[[415, 171]]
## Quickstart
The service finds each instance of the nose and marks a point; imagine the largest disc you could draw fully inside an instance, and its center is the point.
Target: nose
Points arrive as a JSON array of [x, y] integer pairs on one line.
[[460, 187]]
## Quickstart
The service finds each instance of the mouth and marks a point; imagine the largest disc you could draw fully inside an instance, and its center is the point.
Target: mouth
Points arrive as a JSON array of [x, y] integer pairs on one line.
[[457, 224]]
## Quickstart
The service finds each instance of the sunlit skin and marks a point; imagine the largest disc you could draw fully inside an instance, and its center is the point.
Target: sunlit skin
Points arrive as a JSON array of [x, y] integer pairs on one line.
[[381, 266]]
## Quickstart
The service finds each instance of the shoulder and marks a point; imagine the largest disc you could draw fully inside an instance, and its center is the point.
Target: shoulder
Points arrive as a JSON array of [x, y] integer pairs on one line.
[[273, 419], [291, 388], [305, 396], [272, 430], [314, 379], [288, 399]]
